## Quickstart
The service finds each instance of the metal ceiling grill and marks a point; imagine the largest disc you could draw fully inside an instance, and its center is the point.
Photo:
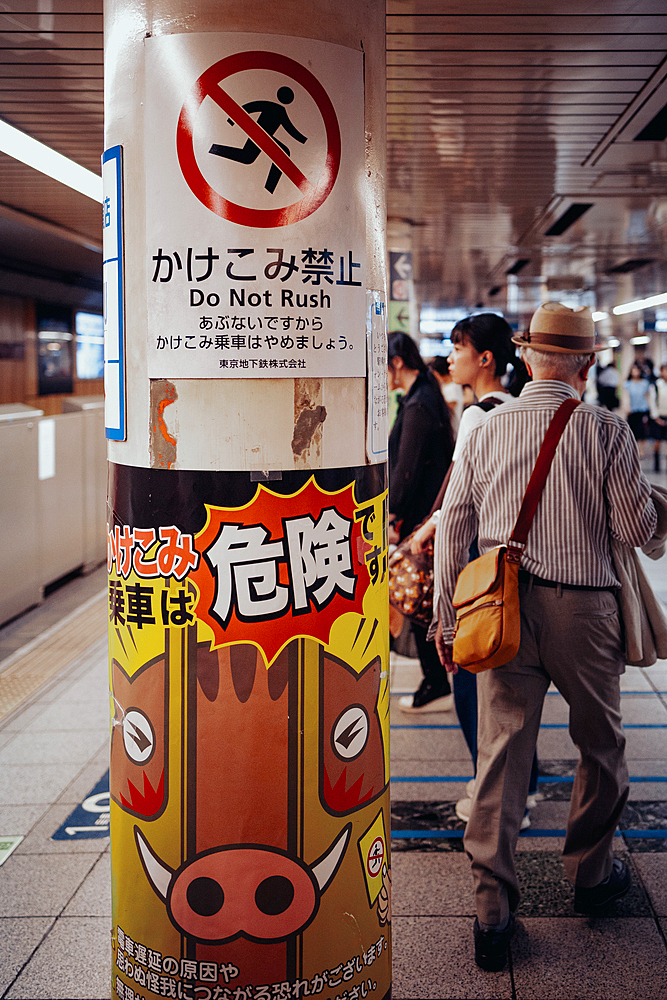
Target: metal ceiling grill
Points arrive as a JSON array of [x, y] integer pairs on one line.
[[500, 123], [504, 121]]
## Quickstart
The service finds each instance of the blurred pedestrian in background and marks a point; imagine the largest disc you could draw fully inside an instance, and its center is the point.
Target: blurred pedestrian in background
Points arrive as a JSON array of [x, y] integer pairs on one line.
[[637, 395], [421, 444], [452, 393], [659, 414], [608, 381]]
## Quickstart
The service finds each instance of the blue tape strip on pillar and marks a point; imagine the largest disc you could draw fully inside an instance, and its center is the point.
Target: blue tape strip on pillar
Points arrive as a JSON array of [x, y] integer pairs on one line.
[[114, 297]]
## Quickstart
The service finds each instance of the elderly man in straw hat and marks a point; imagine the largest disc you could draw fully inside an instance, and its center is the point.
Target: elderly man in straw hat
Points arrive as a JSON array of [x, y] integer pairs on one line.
[[570, 628]]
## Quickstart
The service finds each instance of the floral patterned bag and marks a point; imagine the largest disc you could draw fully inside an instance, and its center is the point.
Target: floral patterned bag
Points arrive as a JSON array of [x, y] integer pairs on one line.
[[411, 581]]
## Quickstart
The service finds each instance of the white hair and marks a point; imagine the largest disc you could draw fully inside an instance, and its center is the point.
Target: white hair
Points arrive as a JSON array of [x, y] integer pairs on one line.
[[553, 362]]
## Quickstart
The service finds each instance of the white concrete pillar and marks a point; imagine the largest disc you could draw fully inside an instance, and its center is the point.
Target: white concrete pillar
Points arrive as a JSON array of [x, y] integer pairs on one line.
[[248, 604]]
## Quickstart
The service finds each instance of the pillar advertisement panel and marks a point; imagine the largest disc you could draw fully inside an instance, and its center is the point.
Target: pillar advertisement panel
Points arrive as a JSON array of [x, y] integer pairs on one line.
[[249, 758]]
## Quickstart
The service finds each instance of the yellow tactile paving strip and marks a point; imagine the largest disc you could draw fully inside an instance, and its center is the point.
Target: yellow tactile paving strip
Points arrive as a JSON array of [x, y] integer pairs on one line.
[[31, 667]]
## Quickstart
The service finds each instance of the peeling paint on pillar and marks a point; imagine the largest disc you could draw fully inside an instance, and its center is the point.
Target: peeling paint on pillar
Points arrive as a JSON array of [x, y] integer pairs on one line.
[[309, 415], [162, 443]]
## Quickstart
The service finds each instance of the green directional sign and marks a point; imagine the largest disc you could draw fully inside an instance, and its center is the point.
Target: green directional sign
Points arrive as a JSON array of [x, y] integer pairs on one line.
[[399, 316]]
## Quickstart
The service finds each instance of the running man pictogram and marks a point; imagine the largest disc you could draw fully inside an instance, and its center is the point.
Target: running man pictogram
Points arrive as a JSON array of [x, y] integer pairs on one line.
[[271, 117], [312, 192]]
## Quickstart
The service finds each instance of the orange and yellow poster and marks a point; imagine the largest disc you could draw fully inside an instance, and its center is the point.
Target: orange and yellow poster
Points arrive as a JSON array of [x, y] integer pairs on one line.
[[249, 759]]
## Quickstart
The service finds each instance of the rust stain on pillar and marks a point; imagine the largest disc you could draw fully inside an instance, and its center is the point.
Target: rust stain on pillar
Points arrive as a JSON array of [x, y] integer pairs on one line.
[[162, 443], [309, 415]]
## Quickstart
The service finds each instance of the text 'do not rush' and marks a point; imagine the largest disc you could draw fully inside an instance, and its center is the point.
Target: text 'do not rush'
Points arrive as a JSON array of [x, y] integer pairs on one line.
[[258, 140]]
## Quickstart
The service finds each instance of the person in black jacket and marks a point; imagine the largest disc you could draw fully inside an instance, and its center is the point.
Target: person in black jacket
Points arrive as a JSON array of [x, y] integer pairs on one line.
[[421, 445]]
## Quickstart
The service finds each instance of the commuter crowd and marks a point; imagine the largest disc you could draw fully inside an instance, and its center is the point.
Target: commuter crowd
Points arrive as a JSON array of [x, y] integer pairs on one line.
[[642, 400], [496, 460]]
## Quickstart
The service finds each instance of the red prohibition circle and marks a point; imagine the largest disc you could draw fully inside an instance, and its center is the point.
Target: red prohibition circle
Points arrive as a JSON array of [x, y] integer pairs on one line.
[[208, 86], [372, 859]]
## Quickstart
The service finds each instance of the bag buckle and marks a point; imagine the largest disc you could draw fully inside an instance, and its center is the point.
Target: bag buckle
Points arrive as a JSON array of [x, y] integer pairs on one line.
[[514, 551]]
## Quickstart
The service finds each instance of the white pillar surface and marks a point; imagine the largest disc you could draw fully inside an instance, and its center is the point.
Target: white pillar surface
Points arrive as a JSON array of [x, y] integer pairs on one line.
[[235, 424]]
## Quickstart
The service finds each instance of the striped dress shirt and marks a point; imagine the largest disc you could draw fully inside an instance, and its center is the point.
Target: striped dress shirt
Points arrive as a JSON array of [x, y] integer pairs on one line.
[[595, 489]]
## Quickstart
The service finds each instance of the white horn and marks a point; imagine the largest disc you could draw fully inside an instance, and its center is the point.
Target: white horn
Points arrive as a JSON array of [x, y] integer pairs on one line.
[[326, 867], [159, 875]]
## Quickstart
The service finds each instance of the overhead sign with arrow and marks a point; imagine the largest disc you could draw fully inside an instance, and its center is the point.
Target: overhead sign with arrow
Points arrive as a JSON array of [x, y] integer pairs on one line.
[[400, 290], [403, 265]]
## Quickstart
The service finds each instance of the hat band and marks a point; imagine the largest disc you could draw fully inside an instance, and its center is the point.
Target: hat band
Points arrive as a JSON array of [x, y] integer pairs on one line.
[[565, 340]]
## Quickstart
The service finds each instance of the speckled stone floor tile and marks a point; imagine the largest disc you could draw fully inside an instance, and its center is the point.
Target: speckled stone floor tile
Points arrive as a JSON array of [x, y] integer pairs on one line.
[[652, 869], [40, 885], [19, 936], [580, 959], [432, 744], [63, 970], [433, 960], [93, 897], [546, 892], [433, 884]]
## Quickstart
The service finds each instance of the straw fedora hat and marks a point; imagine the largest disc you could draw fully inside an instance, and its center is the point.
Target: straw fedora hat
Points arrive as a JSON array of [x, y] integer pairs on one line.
[[555, 327]]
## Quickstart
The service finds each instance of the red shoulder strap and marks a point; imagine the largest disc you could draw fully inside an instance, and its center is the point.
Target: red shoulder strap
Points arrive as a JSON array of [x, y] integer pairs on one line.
[[519, 536]]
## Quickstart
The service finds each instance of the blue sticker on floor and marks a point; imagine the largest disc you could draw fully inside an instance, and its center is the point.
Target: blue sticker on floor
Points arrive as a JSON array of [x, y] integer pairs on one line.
[[90, 819]]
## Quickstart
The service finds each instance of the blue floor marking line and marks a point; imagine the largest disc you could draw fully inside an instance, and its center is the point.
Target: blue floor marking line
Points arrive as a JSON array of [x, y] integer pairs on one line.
[[458, 834], [542, 780], [644, 834], [543, 725]]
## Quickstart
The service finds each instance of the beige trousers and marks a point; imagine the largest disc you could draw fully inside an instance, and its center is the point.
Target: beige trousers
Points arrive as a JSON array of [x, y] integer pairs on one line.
[[573, 638]]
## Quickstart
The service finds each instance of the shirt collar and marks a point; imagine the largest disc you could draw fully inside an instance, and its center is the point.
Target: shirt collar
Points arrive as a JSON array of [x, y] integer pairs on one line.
[[497, 393], [549, 386]]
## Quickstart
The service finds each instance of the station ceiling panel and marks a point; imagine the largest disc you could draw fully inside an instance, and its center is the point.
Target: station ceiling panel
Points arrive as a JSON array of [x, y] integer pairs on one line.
[[501, 125]]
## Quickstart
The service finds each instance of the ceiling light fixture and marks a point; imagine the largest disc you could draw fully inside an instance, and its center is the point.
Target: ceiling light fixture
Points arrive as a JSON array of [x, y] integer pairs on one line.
[[35, 154], [656, 129], [518, 265], [640, 340], [597, 316], [568, 218], [613, 342], [638, 304], [630, 265]]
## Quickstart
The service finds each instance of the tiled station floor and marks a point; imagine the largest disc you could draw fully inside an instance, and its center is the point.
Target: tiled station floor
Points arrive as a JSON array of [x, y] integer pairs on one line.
[[555, 953], [54, 893]]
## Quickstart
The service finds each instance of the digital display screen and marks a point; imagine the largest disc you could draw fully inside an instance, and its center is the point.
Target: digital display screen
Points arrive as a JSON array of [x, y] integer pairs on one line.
[[89, 329], [54, 349]]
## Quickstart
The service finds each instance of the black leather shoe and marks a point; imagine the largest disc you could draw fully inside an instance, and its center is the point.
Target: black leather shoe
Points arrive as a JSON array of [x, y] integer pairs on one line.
[[491, 946], [598, 897]]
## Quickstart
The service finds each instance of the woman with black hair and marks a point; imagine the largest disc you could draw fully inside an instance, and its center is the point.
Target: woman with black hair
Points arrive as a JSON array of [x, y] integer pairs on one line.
[[482, 352], [421, 444]]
